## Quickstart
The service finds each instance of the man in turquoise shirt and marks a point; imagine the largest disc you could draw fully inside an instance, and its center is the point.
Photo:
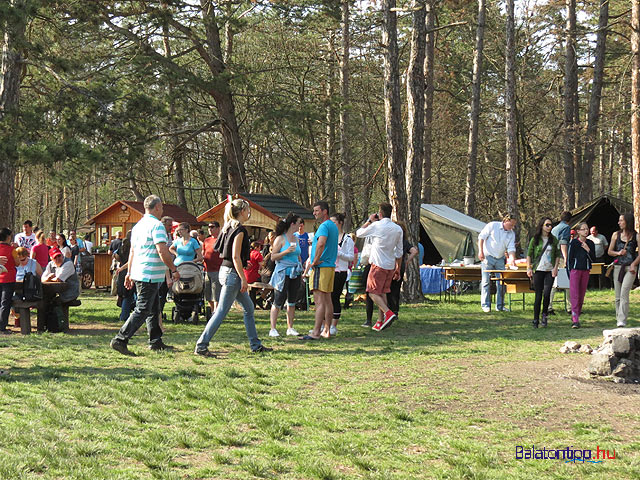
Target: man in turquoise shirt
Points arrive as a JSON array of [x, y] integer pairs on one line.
[[322, 263]]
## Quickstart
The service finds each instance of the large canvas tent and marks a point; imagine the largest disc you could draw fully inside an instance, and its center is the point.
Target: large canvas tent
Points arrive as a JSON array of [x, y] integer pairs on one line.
[[603, 212], [446, 232]]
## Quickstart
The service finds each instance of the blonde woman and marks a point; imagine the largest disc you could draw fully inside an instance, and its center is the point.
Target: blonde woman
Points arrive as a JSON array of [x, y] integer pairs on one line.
[[233, 245]]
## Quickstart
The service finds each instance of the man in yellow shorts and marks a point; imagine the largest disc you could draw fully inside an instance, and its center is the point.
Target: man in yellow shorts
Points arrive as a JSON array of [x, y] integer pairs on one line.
[[322, 265]]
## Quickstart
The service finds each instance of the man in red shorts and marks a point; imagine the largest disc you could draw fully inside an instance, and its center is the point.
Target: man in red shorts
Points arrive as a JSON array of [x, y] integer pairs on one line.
[[385, 260]]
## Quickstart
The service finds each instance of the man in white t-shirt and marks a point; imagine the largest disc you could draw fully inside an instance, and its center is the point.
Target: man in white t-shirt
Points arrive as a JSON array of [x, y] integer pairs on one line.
[[26, 238], [602, 245], [88, 244]]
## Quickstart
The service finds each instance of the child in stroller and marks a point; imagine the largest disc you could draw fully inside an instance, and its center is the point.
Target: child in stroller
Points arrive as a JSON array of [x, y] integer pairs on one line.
[[188, 293]]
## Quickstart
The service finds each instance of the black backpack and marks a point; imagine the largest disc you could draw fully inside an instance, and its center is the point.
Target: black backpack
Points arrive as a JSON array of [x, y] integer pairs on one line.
[[31, 288]]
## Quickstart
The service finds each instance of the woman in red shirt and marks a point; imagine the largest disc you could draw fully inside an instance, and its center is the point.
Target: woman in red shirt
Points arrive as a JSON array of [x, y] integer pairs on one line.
[[7, 279], [40, 252]]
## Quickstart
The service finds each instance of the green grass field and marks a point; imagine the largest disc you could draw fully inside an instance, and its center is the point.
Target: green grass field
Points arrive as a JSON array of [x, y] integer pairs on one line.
[[446, 392]]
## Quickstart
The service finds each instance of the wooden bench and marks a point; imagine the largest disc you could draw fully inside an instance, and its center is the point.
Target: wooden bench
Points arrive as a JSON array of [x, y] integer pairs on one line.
[[65, 310], [23, 309]]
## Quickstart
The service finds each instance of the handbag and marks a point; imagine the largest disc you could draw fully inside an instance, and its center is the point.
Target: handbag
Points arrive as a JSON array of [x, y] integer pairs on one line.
[[609, 272], [114, 283], [31, 288]]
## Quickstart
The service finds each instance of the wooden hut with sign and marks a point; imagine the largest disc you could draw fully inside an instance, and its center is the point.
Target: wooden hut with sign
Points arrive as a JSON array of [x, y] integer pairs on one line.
[[121, 216], [266, 210]]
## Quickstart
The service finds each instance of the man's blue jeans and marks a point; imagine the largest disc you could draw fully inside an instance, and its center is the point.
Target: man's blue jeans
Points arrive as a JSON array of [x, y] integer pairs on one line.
[[128, 303], [146, 310], [492, 263], [231, 285]]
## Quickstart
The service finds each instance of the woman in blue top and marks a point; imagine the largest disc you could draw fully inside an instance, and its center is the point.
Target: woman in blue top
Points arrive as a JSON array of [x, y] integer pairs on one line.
[[287, 273], [187, 249]]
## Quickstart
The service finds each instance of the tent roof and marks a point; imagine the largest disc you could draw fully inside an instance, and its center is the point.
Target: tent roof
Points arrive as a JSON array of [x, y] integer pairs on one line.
[[581, 213], [452, 217]]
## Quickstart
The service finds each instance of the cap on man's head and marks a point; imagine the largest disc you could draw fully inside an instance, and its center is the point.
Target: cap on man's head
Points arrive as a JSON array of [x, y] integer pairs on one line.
[[54, 252]]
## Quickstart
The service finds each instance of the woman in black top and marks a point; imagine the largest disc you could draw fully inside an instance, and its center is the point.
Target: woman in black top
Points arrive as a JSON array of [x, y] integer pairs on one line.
[[579, 260], [233, 245], [624, 248]]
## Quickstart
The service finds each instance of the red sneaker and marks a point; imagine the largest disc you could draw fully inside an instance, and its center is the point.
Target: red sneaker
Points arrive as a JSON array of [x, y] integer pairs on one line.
[[389, 317], [377, 326]]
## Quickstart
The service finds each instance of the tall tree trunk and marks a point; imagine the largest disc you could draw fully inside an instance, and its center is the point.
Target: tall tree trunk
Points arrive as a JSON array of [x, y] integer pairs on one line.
[[612, 157], [470, 192], [594, 105], [412, 288], [510, 114], [176, 149], [602, 155], [367, 172], [427, 184], [10, 78], [635, 105], [225, 106], [393, 112], [570, 89], [345, 157], [328, 183]]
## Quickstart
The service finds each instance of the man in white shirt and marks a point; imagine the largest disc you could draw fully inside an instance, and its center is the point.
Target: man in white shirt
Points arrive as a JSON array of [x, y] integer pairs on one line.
[[496, 239], [26, 238], [385, 259]]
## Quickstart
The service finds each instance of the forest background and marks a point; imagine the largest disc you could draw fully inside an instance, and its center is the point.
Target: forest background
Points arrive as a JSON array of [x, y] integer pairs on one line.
[[488, 107]]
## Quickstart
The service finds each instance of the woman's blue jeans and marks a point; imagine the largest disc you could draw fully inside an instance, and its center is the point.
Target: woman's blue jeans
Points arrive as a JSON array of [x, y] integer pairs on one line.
[[231, 285]]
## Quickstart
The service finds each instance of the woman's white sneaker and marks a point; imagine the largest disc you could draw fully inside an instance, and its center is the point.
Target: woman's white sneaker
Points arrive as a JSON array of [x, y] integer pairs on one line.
[[273, 333], [293, 332]]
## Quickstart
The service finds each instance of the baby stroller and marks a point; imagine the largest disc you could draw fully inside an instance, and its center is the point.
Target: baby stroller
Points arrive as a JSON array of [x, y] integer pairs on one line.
[[188, 293]]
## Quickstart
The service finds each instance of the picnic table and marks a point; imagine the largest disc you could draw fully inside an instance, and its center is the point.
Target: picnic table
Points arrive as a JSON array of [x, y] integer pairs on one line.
[[516, 280]]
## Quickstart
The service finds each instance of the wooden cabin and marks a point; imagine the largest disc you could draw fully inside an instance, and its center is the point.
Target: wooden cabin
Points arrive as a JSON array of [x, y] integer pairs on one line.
[[121, 216], [266, 211]]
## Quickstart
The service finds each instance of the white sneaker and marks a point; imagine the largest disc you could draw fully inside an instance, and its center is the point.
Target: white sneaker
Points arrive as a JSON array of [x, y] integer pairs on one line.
[[486, 309], [273, 333], [293, 332], [621, 325], [333, 330]]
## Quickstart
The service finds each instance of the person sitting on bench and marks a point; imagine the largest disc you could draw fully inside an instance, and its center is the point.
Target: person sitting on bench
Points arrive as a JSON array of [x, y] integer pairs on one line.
[[61, 269]]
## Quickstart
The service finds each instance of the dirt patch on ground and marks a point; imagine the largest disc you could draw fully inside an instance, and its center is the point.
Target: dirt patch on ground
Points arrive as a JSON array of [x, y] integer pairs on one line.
[[552, 394]]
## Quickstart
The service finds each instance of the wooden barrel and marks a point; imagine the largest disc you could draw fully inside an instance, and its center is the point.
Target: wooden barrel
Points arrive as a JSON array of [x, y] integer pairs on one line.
[[356, 282]]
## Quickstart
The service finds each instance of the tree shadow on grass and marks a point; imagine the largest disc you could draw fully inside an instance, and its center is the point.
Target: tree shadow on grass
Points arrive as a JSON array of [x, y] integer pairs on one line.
[[43, 374]]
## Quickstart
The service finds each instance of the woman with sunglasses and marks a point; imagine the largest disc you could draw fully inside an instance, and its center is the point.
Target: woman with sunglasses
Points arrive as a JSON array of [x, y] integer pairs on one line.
[[582, 254], [543, 257]]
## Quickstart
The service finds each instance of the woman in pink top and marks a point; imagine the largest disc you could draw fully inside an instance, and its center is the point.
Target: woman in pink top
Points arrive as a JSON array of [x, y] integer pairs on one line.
[[40, 252]]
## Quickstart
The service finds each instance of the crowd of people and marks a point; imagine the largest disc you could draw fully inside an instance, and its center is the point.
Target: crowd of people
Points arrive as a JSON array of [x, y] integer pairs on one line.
[[289, 261], [286, 260], [50, 259], [552, 249]]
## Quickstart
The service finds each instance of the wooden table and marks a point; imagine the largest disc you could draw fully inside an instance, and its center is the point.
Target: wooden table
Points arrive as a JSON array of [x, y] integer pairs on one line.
[[517, 281], [460, 273]]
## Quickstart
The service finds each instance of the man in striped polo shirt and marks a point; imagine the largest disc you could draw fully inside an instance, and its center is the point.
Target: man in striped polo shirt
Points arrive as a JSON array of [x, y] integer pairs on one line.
[[149, 259]]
